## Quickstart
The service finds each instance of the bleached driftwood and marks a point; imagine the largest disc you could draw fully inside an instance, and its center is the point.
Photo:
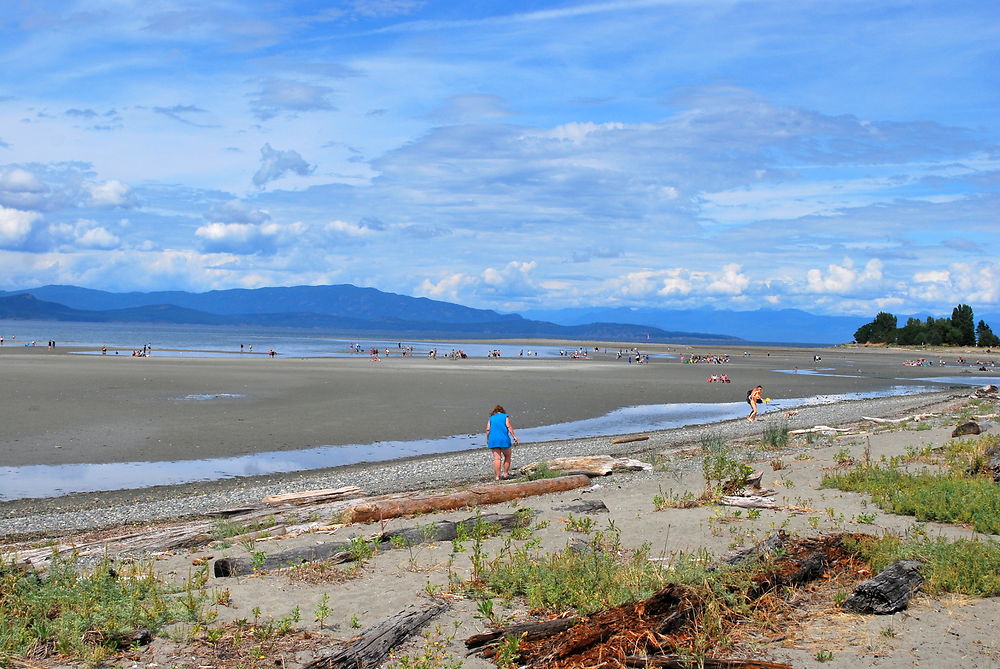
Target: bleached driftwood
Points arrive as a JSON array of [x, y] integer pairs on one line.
[[316, 496], [819, 428], [372, 647], [589, 465], [748, 501], [915, 417]]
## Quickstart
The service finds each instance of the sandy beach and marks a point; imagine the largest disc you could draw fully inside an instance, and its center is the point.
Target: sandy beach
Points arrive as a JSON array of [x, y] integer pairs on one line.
[[131, 405], [60, 408]]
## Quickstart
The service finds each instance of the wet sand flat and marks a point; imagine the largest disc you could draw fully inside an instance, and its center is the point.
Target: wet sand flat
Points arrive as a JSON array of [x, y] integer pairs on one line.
[[60, 408]]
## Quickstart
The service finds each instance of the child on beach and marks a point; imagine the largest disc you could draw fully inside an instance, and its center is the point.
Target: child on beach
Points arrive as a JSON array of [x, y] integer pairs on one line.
[[753, 399], [499, 434]]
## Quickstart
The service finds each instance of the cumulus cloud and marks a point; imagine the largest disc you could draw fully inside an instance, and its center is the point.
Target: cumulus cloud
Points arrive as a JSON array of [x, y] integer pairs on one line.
[[349, 229], [239, 238], [15, 227], [83, 234], [275, 164], [681, 282], [513, 280], [21, 188], [277, 95], [111, 193], [236, 211], [844, 279]]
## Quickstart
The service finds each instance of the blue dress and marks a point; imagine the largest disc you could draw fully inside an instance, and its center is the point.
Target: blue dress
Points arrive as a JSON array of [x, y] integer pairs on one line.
[[499, 435]]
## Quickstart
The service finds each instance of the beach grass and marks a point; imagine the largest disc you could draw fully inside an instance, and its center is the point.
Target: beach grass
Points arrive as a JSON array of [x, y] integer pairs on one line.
[[963, 566], [958, 490], [85, 614]]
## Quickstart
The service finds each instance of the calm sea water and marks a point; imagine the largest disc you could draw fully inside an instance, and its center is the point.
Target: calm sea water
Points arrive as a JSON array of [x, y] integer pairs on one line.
[[222, 341]]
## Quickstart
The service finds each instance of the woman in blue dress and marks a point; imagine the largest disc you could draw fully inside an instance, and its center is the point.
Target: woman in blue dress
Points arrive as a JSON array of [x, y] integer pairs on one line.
[[499, 438]]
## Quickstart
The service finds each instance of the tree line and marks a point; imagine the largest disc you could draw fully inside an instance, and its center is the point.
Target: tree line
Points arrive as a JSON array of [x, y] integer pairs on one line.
[[959, 330]]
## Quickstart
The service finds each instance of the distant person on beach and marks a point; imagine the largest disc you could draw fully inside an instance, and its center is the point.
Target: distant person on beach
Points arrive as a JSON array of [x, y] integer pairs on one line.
[[753, 399], [499, 435]]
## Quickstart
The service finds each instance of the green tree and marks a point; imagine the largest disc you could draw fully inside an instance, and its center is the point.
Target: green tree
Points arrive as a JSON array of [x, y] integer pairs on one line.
[[962, 320], [985, 336], [880, 331], [913, 333]]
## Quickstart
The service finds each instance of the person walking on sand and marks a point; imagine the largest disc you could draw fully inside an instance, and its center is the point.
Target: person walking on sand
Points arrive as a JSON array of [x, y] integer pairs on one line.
[[753, 399], [499, 435]]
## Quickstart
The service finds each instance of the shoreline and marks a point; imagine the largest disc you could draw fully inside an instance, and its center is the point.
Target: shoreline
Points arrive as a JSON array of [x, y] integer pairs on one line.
[[42, 517]]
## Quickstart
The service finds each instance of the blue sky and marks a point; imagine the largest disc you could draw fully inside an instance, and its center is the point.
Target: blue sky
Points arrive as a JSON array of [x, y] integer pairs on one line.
[[839, 157]]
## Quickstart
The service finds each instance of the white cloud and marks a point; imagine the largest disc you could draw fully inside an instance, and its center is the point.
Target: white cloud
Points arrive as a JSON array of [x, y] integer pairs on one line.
[[275, 164], [15, 226], [513, 280], [349, 229], [844, 279], [111, 193], [731, 281], [276, 95], [239, 238]]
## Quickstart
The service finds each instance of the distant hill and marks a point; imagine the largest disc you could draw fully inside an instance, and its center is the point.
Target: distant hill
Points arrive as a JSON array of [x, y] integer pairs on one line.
[[762, 325], [381, 320]]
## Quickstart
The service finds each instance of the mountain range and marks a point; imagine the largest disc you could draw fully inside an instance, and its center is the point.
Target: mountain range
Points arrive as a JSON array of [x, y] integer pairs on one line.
[[343, 308]]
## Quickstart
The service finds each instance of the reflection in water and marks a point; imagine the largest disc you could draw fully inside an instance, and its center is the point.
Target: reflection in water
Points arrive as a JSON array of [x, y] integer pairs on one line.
[[57, 480]]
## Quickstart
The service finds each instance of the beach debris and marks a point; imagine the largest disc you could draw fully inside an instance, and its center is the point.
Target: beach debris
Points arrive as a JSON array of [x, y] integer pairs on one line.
[[916, 418], [530, 631], [986, 391], [823, 429], [888, 592], [316, 496], [992, 457], [584, 506], [372, 647], [661, 628], [966, 428], [629, 440], [683, 662], [475, 496], [340, 551], [589, 465], [748, 501]]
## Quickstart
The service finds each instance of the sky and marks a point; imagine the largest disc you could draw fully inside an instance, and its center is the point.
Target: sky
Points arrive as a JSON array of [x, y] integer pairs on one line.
[[841, 157]]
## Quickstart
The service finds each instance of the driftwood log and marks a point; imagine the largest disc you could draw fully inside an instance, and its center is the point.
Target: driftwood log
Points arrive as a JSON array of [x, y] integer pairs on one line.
[[748, 501], [679, 662], [888, 592], [992, 456], [584, 506], [966, 428], [475, 496], [372, 647], [339, 551], [819, 428], [629, 440], [316, 496], [589, 465], [523, 631]]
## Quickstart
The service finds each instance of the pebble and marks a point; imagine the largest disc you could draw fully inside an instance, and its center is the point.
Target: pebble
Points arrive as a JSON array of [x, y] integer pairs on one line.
[[51, 516]]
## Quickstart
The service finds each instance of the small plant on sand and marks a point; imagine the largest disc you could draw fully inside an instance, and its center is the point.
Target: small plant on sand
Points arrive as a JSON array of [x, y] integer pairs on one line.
[[582, 524], [542, 471], [776, 434], [824, 656], [672, 500], [323, 610], [724, 473], [432, 654], [507, 651], [777, 464]]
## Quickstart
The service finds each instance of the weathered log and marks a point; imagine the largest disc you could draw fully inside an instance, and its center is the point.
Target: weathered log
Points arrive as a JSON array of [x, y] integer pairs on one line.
[[629, 440], [372, 647], [889, 591], [475, 496], [525, 631], [584, 506], [905, 419], [748, 501], [588, 465], [769, 546], [820, 429], [339, 551], [966, 428], [315, 496], [680, 662], [992, 456]]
